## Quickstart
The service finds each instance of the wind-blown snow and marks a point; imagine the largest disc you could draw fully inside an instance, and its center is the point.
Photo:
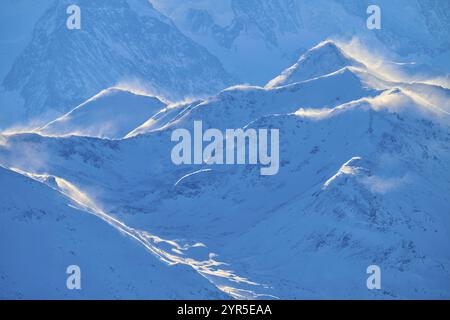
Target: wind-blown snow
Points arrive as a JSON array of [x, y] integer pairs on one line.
[[110, 114], [124, 41], [42, 235], [364, 158]]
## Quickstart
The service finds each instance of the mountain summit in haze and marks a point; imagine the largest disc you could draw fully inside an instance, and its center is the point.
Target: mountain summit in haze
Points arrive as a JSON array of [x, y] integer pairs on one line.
[[362, 177], [120, 42], [255, 39]]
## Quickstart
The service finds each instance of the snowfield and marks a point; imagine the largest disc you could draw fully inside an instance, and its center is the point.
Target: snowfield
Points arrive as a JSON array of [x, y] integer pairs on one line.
[[43, 232], [364, 173], [110, 114]]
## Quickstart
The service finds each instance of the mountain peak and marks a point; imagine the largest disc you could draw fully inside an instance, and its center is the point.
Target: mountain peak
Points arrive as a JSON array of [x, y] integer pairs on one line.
[[326, 45], [325, 58], [126, 41], [109, 114]]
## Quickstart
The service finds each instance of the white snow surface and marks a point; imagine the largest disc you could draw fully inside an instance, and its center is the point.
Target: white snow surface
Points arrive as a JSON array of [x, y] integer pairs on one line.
[[364, 164], [86, 176]]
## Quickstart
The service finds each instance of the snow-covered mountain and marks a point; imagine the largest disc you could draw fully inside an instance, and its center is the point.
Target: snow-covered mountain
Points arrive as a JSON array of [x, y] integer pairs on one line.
[[324, 77], [123, 42], [364, 166], [323, 59], [330, 90], [360, 194], [110, 114], [255, 39], [44, 232]]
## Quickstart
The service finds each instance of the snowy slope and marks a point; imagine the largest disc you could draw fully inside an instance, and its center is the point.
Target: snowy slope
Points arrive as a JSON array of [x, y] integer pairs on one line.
[[42, 234], [367, 190], [123, 42], [325, 76], [256, 39], [321, 208], [323, 59], [110, 114], [364, 165], [17, 20], [242, 104], [244, 35], [325, 207], [327, 58]]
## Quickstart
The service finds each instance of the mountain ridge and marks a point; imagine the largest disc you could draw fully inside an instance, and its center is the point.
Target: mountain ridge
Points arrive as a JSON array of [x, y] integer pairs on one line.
[[109, 114], [117, 44]]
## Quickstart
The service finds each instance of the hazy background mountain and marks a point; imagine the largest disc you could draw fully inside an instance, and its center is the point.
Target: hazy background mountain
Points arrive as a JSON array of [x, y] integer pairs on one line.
[[123, 42], [254, 39], [364, 151]]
